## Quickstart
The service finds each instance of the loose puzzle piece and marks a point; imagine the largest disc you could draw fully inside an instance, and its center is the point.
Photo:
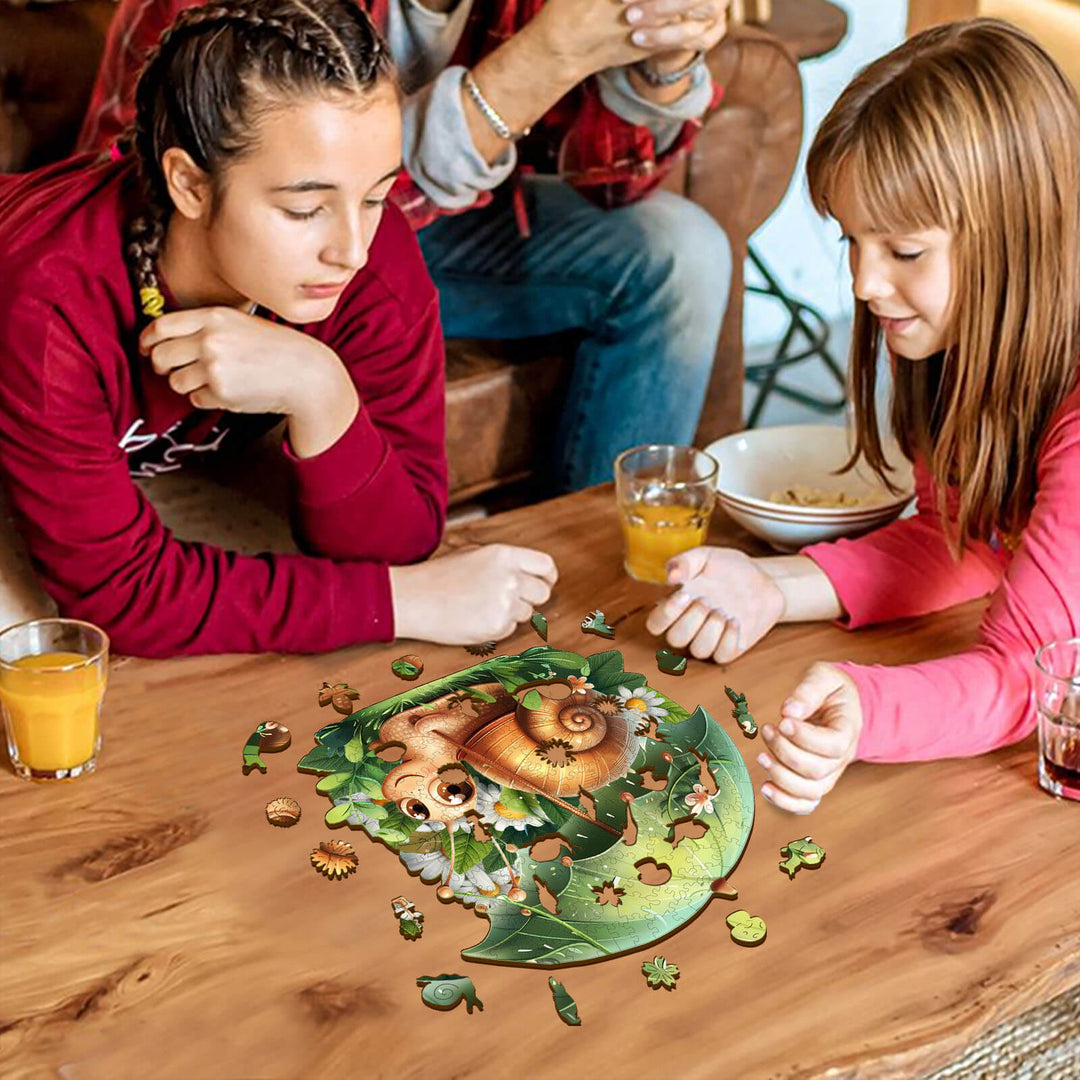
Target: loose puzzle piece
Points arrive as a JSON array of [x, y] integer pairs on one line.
[[334, 858], [407, 667], [485, 648], [594, 623], [283, 812], [746, 929], [801, 853], [340, 695], [564, 1003], [445, 991], [670, 663], [532, 809], [741, 713], [539, 624], [268, 737], [658, 972], [410, 921]]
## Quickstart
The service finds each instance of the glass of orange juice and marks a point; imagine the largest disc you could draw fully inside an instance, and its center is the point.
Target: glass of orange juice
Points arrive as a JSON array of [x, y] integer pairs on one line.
[[666, 495], [52, 680]]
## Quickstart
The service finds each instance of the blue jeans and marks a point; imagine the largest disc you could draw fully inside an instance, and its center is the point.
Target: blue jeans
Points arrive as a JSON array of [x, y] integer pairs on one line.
[[647, 284]]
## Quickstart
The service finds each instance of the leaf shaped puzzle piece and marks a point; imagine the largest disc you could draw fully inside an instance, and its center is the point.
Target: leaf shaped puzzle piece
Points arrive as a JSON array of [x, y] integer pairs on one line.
[[539, 624], [565, 1005], [658, 972]]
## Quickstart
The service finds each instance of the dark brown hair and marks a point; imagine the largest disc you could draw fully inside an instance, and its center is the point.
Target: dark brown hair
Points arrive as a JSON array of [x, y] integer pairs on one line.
[[971, 128], [216, 68]]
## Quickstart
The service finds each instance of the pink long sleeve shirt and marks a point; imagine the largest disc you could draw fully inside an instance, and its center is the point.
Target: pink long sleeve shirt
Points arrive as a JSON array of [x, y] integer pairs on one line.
[[977, 700], [81, 412]]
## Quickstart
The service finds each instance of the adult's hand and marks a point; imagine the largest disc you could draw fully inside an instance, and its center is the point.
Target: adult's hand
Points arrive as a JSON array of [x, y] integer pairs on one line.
[[725, 604], [471, 596], [673, 31]]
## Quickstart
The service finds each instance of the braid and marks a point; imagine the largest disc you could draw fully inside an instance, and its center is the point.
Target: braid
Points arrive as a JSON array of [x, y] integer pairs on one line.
[[195, 92]]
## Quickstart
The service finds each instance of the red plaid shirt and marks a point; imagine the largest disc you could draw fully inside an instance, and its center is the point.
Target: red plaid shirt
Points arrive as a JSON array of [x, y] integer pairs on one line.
[[607, 159]]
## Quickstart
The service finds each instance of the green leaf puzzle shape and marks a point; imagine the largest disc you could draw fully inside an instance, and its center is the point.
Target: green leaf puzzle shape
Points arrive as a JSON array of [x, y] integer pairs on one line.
[[583, 929]]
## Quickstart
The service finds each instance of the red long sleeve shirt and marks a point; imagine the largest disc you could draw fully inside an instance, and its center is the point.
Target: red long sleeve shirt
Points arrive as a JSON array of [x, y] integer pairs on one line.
[[81, 412]]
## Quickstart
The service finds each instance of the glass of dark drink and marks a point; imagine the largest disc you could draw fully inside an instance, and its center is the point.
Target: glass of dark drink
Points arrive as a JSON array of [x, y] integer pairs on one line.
[[1057, 698]]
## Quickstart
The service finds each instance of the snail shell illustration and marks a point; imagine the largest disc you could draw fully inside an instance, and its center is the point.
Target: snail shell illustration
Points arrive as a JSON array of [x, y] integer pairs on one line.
[[558, 749]]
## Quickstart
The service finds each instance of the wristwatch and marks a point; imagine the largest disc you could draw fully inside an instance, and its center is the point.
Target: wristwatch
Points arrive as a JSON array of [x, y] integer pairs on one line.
[[667, 78]]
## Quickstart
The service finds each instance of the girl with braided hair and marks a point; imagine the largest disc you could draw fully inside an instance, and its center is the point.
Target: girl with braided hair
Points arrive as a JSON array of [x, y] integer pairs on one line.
[[237, 267]]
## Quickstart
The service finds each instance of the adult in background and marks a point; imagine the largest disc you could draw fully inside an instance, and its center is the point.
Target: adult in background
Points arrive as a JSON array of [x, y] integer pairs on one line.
[[536, 133]]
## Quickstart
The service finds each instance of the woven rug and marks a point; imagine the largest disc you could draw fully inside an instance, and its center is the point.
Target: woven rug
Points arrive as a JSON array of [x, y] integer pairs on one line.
[[1043, 1044]]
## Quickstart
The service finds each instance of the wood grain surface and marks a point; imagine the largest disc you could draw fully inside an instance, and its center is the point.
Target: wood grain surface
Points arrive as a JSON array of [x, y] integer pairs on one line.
[[154, 925]]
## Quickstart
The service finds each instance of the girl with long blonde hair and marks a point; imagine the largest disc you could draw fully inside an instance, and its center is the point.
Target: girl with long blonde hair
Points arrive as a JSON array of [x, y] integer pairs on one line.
[[952, 166]]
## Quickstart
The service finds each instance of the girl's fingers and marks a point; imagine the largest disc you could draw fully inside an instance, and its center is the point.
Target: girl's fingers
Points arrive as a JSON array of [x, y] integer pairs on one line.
[[815, 738], [806, 763], [534, 590], [708, 637], [686, 565], [811, 693], [176, 324], [790, 782], [667, 611], [174, 353], [189, 378], [730, 644], [688, 624], [785, 801]]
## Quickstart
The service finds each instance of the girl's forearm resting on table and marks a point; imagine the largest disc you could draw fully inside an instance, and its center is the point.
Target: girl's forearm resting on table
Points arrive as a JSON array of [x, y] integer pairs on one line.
[[808, 593]]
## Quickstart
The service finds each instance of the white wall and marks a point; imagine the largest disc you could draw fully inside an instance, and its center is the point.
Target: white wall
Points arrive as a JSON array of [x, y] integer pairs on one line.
[[802, 250]]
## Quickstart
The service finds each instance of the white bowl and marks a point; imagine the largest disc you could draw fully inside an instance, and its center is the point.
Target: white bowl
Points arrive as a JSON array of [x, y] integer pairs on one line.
[[757, 463]]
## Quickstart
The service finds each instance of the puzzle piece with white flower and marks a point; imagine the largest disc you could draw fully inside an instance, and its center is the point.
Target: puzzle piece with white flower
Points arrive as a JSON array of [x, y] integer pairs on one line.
[[516, 786]]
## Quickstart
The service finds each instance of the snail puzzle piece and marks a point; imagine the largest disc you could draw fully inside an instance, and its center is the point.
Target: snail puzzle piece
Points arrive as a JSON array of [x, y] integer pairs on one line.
[[741, 713], [565, 1005], [445, 991], [801, 853], [480, 801], [410, 921], [268, 737], [746, 929]]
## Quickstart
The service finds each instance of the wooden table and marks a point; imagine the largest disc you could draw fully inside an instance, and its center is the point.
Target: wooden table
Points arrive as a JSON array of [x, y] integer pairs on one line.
[[155, 926]]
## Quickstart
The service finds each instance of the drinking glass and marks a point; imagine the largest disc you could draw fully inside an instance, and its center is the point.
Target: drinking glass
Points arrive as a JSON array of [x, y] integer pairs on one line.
[[1057, 699], [665, 496], [52, 681]]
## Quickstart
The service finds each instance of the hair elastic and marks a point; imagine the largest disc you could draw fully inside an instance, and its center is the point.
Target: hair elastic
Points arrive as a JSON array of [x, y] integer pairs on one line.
[[152, 300]]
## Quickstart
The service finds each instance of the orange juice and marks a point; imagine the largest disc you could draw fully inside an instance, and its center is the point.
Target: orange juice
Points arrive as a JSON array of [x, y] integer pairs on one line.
[[654, 534], [52, 714]]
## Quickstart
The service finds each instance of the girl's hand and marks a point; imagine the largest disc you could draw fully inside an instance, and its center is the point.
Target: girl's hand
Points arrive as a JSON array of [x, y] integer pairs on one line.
[[725, 605], [819, 730], [470, 596], [221, 358], [674, 30]]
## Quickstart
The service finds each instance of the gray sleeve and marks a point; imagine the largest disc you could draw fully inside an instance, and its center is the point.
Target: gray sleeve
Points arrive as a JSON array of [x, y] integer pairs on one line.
[[438, 148], [664, 121]]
